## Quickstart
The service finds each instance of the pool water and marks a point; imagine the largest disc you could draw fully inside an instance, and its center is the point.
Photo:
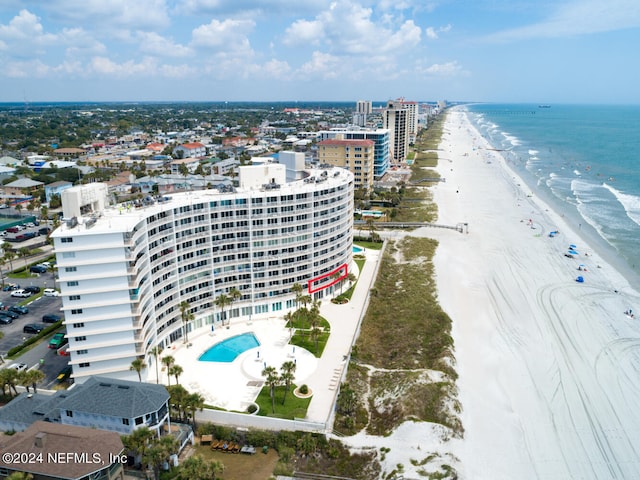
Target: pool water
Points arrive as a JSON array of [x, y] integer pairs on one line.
[[355, 249], [229, 349]]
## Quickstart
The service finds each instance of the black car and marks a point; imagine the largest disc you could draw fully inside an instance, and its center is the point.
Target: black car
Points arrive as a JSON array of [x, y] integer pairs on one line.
[[19, 309], [5, 320], [38, 269], [8, 313], [32, 289], [50, 318], [33, 328]]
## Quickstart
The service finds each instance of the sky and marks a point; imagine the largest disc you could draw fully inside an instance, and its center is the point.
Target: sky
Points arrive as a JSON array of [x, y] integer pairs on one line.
[[540, 51]]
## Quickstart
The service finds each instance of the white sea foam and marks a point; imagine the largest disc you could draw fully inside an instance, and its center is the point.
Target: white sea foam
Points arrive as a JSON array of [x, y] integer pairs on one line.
[[630, 203], [533, 152], [513, 140], [577, 173]]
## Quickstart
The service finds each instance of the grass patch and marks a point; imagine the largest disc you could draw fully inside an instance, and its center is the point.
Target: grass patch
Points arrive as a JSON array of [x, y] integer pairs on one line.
[[369, 245], [303, 339], [293, 407]]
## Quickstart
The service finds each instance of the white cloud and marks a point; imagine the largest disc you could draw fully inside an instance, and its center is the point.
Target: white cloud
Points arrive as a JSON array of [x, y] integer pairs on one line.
[[349, 28], [322, 65], [449, 69], [433, 33], [106, 66], [579, 17], [155, 44], [228, 36], [25, 35], [251, 8]]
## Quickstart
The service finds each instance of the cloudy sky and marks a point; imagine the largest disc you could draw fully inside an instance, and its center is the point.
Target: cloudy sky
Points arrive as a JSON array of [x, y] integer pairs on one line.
[[576, 51]]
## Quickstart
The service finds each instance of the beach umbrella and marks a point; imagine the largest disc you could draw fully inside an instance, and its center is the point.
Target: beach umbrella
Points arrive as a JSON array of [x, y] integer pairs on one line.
[[580, 279], [572, 246], [573, 252]]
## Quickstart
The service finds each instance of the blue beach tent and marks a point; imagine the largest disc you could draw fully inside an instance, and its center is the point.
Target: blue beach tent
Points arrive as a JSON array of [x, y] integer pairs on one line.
[[580, 279]]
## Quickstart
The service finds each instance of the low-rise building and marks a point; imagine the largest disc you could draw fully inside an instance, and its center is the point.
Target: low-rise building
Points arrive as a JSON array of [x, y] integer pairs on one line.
[[49, 451]]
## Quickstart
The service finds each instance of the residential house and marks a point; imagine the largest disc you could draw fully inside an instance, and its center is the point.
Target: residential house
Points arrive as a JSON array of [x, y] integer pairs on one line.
[[9, 161], [55, 188], [104, 403], [6, 172], [51, 451], [21, 186], [190, 150], [69, 152]]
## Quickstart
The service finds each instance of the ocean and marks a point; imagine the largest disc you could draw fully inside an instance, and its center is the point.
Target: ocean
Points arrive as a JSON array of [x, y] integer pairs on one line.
[[584, 160]]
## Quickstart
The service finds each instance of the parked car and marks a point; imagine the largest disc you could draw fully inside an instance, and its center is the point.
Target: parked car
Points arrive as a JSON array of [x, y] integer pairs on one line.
[[13, 229], [33, 328], [64, 373], [32, 289], [9, 313], [5, 320], [44, 231], [38, 269], [50, 292], [10, 286], [57, 341], [45, 264], [20, 293], [50, 318], [19, 366], [19, 309]]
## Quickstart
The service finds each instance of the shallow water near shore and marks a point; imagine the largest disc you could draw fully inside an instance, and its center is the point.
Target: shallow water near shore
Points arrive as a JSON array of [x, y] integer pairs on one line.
[[584, 161]]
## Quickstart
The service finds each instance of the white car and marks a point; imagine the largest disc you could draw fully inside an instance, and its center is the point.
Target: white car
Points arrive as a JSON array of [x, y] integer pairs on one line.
[[50, 292], [18, 366], [20, 293]]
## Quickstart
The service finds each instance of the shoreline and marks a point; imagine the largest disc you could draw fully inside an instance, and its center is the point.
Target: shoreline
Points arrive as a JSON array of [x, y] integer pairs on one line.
[[569, 212], [546, 387]]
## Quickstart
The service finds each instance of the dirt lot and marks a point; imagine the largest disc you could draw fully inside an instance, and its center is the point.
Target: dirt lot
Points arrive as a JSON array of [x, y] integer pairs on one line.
[[243, 467]]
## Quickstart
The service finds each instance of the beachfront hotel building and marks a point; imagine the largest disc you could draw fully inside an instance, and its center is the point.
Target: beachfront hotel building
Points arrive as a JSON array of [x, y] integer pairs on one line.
[[354, 155], [124, 271], [380, 138], [364, 108]]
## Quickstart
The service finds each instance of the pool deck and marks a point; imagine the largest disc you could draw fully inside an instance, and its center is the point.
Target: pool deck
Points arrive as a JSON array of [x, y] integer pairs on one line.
[[236, 384]]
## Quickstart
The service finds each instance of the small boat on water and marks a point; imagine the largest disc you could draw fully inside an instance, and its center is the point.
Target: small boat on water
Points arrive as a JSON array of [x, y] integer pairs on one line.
[[544, 106]]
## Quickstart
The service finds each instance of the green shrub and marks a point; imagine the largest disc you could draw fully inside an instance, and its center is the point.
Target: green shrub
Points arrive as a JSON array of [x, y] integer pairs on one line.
[[304, 389]]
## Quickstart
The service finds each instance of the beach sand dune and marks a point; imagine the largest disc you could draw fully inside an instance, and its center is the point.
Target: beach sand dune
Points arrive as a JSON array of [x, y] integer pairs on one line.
[[549, 367]]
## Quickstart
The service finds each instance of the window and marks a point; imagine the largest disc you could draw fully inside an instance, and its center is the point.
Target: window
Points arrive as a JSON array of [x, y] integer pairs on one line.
[[139, 421], [80, 339], [76, 311], [84, 365], [70, 269], [69, 413], [82, 352], [78, 325], [74, 297], [125, 421], [66, 239], [72, 284], [68, 254]]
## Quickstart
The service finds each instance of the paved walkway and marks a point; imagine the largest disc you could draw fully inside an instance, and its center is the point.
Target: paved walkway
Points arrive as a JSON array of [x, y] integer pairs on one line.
[[236, 384]]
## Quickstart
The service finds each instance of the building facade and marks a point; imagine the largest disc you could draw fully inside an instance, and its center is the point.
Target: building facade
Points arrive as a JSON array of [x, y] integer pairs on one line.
[[354, 155], [380, 137], [363, 110], [396, 118], [124, 271]]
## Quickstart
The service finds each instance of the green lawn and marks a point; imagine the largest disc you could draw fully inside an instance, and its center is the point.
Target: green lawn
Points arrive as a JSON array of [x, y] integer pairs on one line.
[[293, 407]]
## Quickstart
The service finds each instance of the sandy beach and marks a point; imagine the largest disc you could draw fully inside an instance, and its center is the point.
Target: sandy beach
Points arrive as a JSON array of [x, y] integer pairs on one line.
[[548, 366]]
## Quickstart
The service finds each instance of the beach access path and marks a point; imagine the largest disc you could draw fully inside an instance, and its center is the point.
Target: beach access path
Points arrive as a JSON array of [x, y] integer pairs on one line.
[[548, 366]]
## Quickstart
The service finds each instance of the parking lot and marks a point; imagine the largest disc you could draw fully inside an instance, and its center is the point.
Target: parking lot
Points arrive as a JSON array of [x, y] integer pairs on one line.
[[38, 306]]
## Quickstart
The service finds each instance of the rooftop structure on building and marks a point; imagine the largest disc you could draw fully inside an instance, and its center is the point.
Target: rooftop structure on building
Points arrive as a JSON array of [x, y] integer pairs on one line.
[[125, 269]]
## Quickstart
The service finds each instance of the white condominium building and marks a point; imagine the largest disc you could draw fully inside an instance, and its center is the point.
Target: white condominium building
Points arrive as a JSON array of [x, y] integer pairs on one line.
[[124, 270]]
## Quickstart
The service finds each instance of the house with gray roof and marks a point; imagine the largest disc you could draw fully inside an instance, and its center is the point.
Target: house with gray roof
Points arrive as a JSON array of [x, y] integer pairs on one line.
[[20, 186], [56, 188], [105, 403]]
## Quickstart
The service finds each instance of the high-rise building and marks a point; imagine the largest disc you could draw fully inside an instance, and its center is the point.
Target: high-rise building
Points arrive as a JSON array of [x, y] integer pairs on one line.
[[124, 271], [380, 139], [395, 117], [363, 110], [354, 155]]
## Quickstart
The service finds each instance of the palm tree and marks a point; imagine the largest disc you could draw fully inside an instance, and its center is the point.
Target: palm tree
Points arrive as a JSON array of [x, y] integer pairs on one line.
[[52, 268], [20, 476], [138, 365], [197, 468], [24, 251], [138, 442], [351, 277], [289, 317], [178, 400], [335, 276], [234, 296], [29, 378], [156, 351], [168, 361], [176, 371], [273, 380], [9, 254], [194, 402], [287, 376], [314, 322], [297, 289], [10, 379], [187, 316], [159, 453], [222, 301]]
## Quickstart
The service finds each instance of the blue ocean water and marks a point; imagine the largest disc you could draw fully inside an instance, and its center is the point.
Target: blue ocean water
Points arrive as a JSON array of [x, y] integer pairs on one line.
[[583, 159]]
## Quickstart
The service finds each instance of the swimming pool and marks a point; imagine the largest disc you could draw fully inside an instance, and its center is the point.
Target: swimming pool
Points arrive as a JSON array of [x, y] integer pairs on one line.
[[355, 249], [229, 349]]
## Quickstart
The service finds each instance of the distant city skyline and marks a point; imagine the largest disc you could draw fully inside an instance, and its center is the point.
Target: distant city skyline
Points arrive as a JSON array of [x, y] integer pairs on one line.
[[569, 51]]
